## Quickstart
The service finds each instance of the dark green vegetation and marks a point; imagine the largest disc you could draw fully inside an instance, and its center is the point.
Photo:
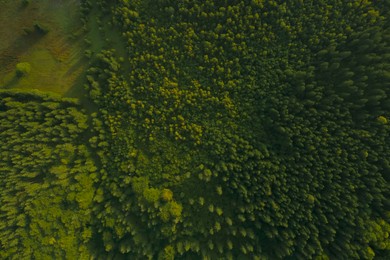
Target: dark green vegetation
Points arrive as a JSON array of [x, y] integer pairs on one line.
[[224, 130]]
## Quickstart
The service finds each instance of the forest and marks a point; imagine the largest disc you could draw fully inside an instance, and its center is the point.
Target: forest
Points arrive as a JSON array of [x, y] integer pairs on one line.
[[241, 129]]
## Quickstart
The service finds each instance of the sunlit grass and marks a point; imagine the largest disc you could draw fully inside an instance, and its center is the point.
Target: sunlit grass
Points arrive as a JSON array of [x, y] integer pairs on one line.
[[56, 58]]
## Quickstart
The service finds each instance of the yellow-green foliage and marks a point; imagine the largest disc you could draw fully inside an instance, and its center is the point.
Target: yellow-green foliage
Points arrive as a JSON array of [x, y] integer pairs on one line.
[[23, 69], [167, 254], [166, 195], [46, 178], [382, 120], [378, 234]]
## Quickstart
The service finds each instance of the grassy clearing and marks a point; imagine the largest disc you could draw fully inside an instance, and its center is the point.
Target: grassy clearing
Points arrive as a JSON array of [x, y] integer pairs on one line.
[[41, 34]]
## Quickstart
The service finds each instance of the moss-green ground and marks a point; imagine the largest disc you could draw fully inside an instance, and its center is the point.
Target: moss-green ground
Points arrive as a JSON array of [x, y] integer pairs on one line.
[[56, 58]]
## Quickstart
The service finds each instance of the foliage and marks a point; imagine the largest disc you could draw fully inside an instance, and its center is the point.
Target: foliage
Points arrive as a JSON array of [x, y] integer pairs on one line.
[[267, 121], [23, 69], [244, 129], [40, 28], [25, 3], [47, 178]]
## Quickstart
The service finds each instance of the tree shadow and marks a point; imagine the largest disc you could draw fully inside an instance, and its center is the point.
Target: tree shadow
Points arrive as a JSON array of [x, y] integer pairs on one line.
[[81, 61], [12, 82], [8, 57], [77, 90]]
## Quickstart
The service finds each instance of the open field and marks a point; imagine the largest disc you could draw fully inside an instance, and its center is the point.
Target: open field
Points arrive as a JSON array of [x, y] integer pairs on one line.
[[55, 54]]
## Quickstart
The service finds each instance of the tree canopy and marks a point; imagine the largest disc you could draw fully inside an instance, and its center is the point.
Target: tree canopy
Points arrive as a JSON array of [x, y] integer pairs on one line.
[[244, 129]]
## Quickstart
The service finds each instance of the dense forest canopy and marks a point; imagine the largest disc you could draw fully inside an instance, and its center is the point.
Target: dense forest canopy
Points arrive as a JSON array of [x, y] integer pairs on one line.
[[218, 130], [47, 177]]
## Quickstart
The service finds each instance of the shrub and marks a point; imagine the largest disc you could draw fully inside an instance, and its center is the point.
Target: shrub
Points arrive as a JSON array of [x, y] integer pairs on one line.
[[23, 69]]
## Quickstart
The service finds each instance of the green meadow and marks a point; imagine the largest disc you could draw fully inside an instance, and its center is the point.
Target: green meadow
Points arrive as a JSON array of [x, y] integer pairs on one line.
[[47, 35]]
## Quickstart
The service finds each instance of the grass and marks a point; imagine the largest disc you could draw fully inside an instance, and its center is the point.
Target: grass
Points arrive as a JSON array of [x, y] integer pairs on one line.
[[56, 58]]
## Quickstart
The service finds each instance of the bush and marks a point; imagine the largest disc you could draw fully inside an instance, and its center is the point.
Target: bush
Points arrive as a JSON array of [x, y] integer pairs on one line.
[[23, 69], [25, 2], [41, 28]]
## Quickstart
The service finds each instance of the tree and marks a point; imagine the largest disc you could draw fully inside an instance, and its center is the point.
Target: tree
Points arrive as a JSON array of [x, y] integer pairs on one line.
[[23, 69]]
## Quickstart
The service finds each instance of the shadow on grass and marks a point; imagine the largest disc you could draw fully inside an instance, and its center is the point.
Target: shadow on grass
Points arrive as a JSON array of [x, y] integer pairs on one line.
[[82, 61], [8, 57], [11, 83], [77, 90]]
